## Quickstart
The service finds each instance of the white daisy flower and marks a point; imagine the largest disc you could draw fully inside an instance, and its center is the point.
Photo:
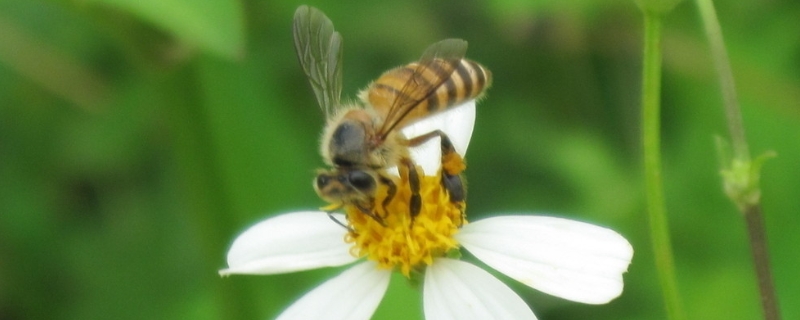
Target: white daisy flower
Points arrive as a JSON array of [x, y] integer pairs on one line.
[[565, 258]]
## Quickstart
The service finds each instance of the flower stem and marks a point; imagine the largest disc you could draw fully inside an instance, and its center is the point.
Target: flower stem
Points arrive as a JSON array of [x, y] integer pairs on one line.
[[758, 248], [722, 64], [740, 173], [651, 100]]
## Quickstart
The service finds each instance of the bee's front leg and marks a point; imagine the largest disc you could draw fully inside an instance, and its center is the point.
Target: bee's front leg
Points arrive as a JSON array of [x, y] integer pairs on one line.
[[415, 202], [330, 215], [390, 193], [367, 210]]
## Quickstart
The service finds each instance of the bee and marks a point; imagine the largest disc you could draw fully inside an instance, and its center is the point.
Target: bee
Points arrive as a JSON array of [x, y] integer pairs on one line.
[[362, 140]]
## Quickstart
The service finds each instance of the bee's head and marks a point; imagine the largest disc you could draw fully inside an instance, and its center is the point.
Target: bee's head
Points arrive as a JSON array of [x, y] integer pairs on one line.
[[345, 142], [345, 186]]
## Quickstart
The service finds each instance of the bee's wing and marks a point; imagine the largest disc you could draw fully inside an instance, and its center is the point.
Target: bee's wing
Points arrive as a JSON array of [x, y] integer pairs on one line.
[[319, 49], [434, 68]]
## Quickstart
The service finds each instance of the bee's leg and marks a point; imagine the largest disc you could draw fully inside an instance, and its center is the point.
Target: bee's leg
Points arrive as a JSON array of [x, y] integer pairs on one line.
[[349, 229], [449, 153], [452, 164], [454, 184], [390, 193], [415, 203], [368, 211]]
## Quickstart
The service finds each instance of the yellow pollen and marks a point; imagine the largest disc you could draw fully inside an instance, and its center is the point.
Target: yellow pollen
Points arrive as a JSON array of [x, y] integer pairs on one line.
[[400, 241]]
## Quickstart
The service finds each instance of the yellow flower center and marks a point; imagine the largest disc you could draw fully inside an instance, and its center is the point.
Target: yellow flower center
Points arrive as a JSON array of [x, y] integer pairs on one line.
[[403, 241]]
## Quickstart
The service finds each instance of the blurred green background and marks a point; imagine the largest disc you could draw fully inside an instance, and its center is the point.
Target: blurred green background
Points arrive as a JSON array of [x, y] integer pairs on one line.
[[138, 138]]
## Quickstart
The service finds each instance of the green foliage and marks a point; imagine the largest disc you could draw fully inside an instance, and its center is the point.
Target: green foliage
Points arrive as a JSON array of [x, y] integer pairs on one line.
[[128, 163], [216, 26], [657, 6]]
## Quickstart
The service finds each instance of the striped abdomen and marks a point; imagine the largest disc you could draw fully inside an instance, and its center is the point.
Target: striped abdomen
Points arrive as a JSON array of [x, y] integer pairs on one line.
[[467, 81]]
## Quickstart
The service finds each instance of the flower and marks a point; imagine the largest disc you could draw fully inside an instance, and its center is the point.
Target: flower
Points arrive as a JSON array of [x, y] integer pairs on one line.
[[565, 258]]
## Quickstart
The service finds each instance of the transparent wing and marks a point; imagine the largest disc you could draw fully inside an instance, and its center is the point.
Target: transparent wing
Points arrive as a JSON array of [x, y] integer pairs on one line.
[[434, 68], [319, 49]]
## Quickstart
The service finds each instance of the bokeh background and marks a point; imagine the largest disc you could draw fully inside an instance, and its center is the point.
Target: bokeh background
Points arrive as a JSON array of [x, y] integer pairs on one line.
[[137, 138]]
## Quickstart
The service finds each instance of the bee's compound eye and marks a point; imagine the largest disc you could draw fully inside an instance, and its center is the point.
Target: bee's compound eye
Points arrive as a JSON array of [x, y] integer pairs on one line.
[[361, 180], [323, 180]]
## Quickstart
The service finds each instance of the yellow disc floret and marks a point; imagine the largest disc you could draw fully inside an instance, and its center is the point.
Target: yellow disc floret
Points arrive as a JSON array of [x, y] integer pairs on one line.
[[401, 239]]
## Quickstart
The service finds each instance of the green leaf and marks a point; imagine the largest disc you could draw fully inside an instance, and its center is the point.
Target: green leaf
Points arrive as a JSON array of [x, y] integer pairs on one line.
[[214, 25], [657, 6]]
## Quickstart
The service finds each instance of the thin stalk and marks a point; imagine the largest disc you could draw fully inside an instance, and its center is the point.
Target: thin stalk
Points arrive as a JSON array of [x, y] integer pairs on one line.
[[758, 248], [651, 104], [722, 65], [745, 193]]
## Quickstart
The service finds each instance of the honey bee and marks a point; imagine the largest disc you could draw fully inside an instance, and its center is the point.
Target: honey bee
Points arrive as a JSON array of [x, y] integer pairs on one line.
[[361, 140]]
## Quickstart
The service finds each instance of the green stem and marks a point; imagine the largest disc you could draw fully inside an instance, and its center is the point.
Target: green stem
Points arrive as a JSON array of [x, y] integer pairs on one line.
[[659, 228], [722, 65], [758, 248], [745, 193]]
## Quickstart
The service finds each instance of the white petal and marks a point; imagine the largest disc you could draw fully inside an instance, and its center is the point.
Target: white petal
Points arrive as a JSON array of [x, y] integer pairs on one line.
[[353, 294], [458, 290], [428, 156], [289, 242], [565, 258], [456, 122]]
